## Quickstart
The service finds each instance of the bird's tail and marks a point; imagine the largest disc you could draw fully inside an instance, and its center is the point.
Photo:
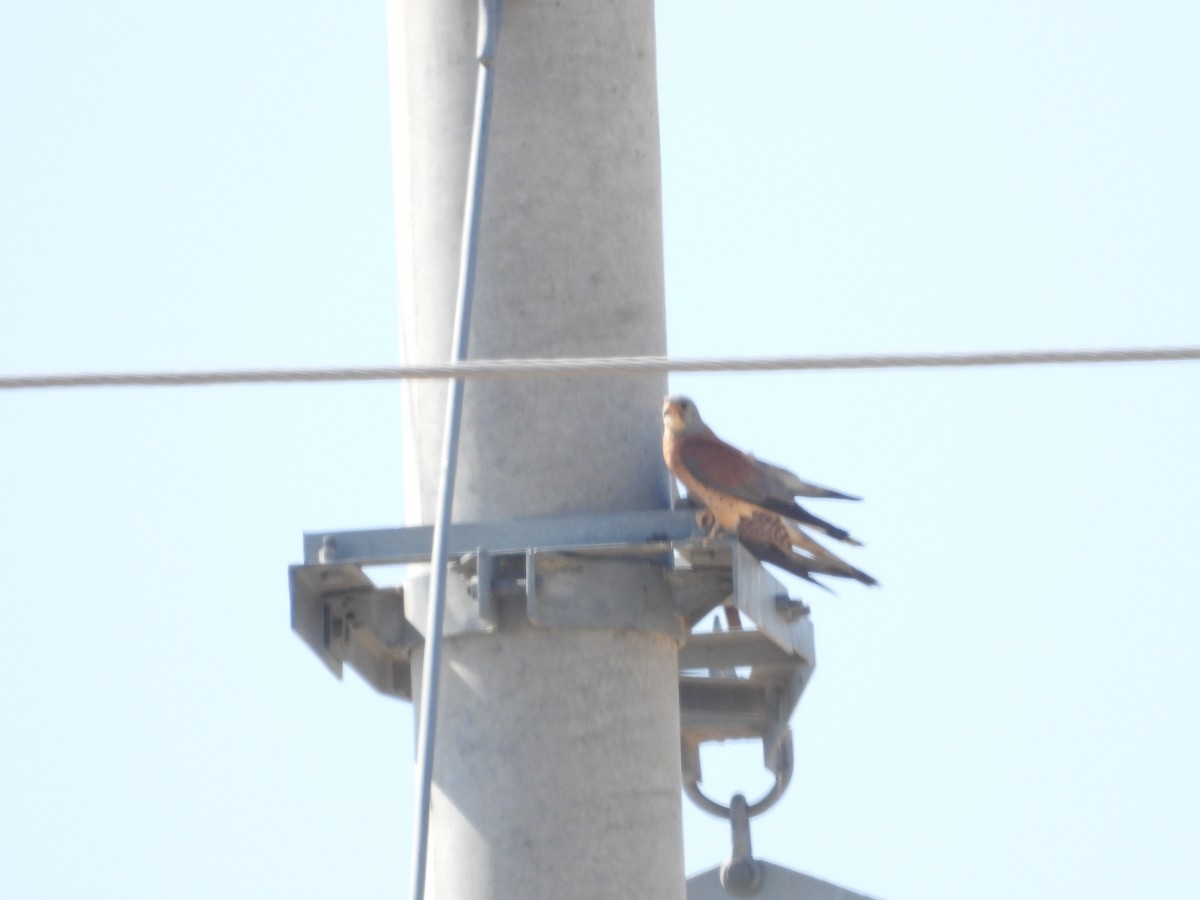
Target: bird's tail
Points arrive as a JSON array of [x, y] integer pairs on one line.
[[825, 561], [789, 562]]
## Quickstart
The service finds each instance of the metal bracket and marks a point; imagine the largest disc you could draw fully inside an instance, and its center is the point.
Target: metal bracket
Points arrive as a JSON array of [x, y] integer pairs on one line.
[[717, 704], [340, 613], [639, 596], [471, 597]]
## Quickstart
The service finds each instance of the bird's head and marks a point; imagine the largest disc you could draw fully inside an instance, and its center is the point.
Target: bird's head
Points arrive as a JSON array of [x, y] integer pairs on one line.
[[681, 416]]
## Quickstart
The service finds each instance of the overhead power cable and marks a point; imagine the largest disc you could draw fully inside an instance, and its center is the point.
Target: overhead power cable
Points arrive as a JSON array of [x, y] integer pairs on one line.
[[616, 365]]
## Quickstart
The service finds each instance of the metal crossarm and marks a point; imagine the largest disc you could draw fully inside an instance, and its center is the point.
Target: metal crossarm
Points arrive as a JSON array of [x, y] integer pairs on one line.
[[657, 528]]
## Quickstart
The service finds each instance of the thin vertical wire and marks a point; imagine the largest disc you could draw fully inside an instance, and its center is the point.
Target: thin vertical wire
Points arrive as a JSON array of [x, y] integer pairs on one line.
[[489, 26]]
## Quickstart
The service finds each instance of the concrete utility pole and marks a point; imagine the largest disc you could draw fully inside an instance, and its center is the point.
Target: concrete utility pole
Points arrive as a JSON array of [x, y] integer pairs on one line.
[[557, 771], [574, 696]]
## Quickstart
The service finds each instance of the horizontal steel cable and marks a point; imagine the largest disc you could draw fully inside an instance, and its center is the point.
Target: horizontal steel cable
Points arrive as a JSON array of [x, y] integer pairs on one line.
[[618, 365]]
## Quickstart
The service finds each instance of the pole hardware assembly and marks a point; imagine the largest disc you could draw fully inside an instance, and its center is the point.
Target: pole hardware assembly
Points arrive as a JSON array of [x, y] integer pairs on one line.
[[740, 684]]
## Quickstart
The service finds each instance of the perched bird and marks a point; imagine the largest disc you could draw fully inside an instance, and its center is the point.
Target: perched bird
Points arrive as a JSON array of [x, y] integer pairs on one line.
[[752, 499]]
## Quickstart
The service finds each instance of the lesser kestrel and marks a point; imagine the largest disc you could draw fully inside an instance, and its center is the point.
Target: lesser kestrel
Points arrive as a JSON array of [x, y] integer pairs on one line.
[[752, 499]]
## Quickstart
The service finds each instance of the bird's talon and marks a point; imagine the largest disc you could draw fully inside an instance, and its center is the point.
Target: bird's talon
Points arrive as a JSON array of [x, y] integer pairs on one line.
[[707, 522]]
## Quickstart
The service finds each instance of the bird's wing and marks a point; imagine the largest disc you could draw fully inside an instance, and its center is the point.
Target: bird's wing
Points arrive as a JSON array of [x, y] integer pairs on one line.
[[791, 485], [723, 468]]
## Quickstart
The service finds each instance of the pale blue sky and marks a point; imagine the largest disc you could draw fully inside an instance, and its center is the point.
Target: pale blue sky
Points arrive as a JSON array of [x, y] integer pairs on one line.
[[209, 186]]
